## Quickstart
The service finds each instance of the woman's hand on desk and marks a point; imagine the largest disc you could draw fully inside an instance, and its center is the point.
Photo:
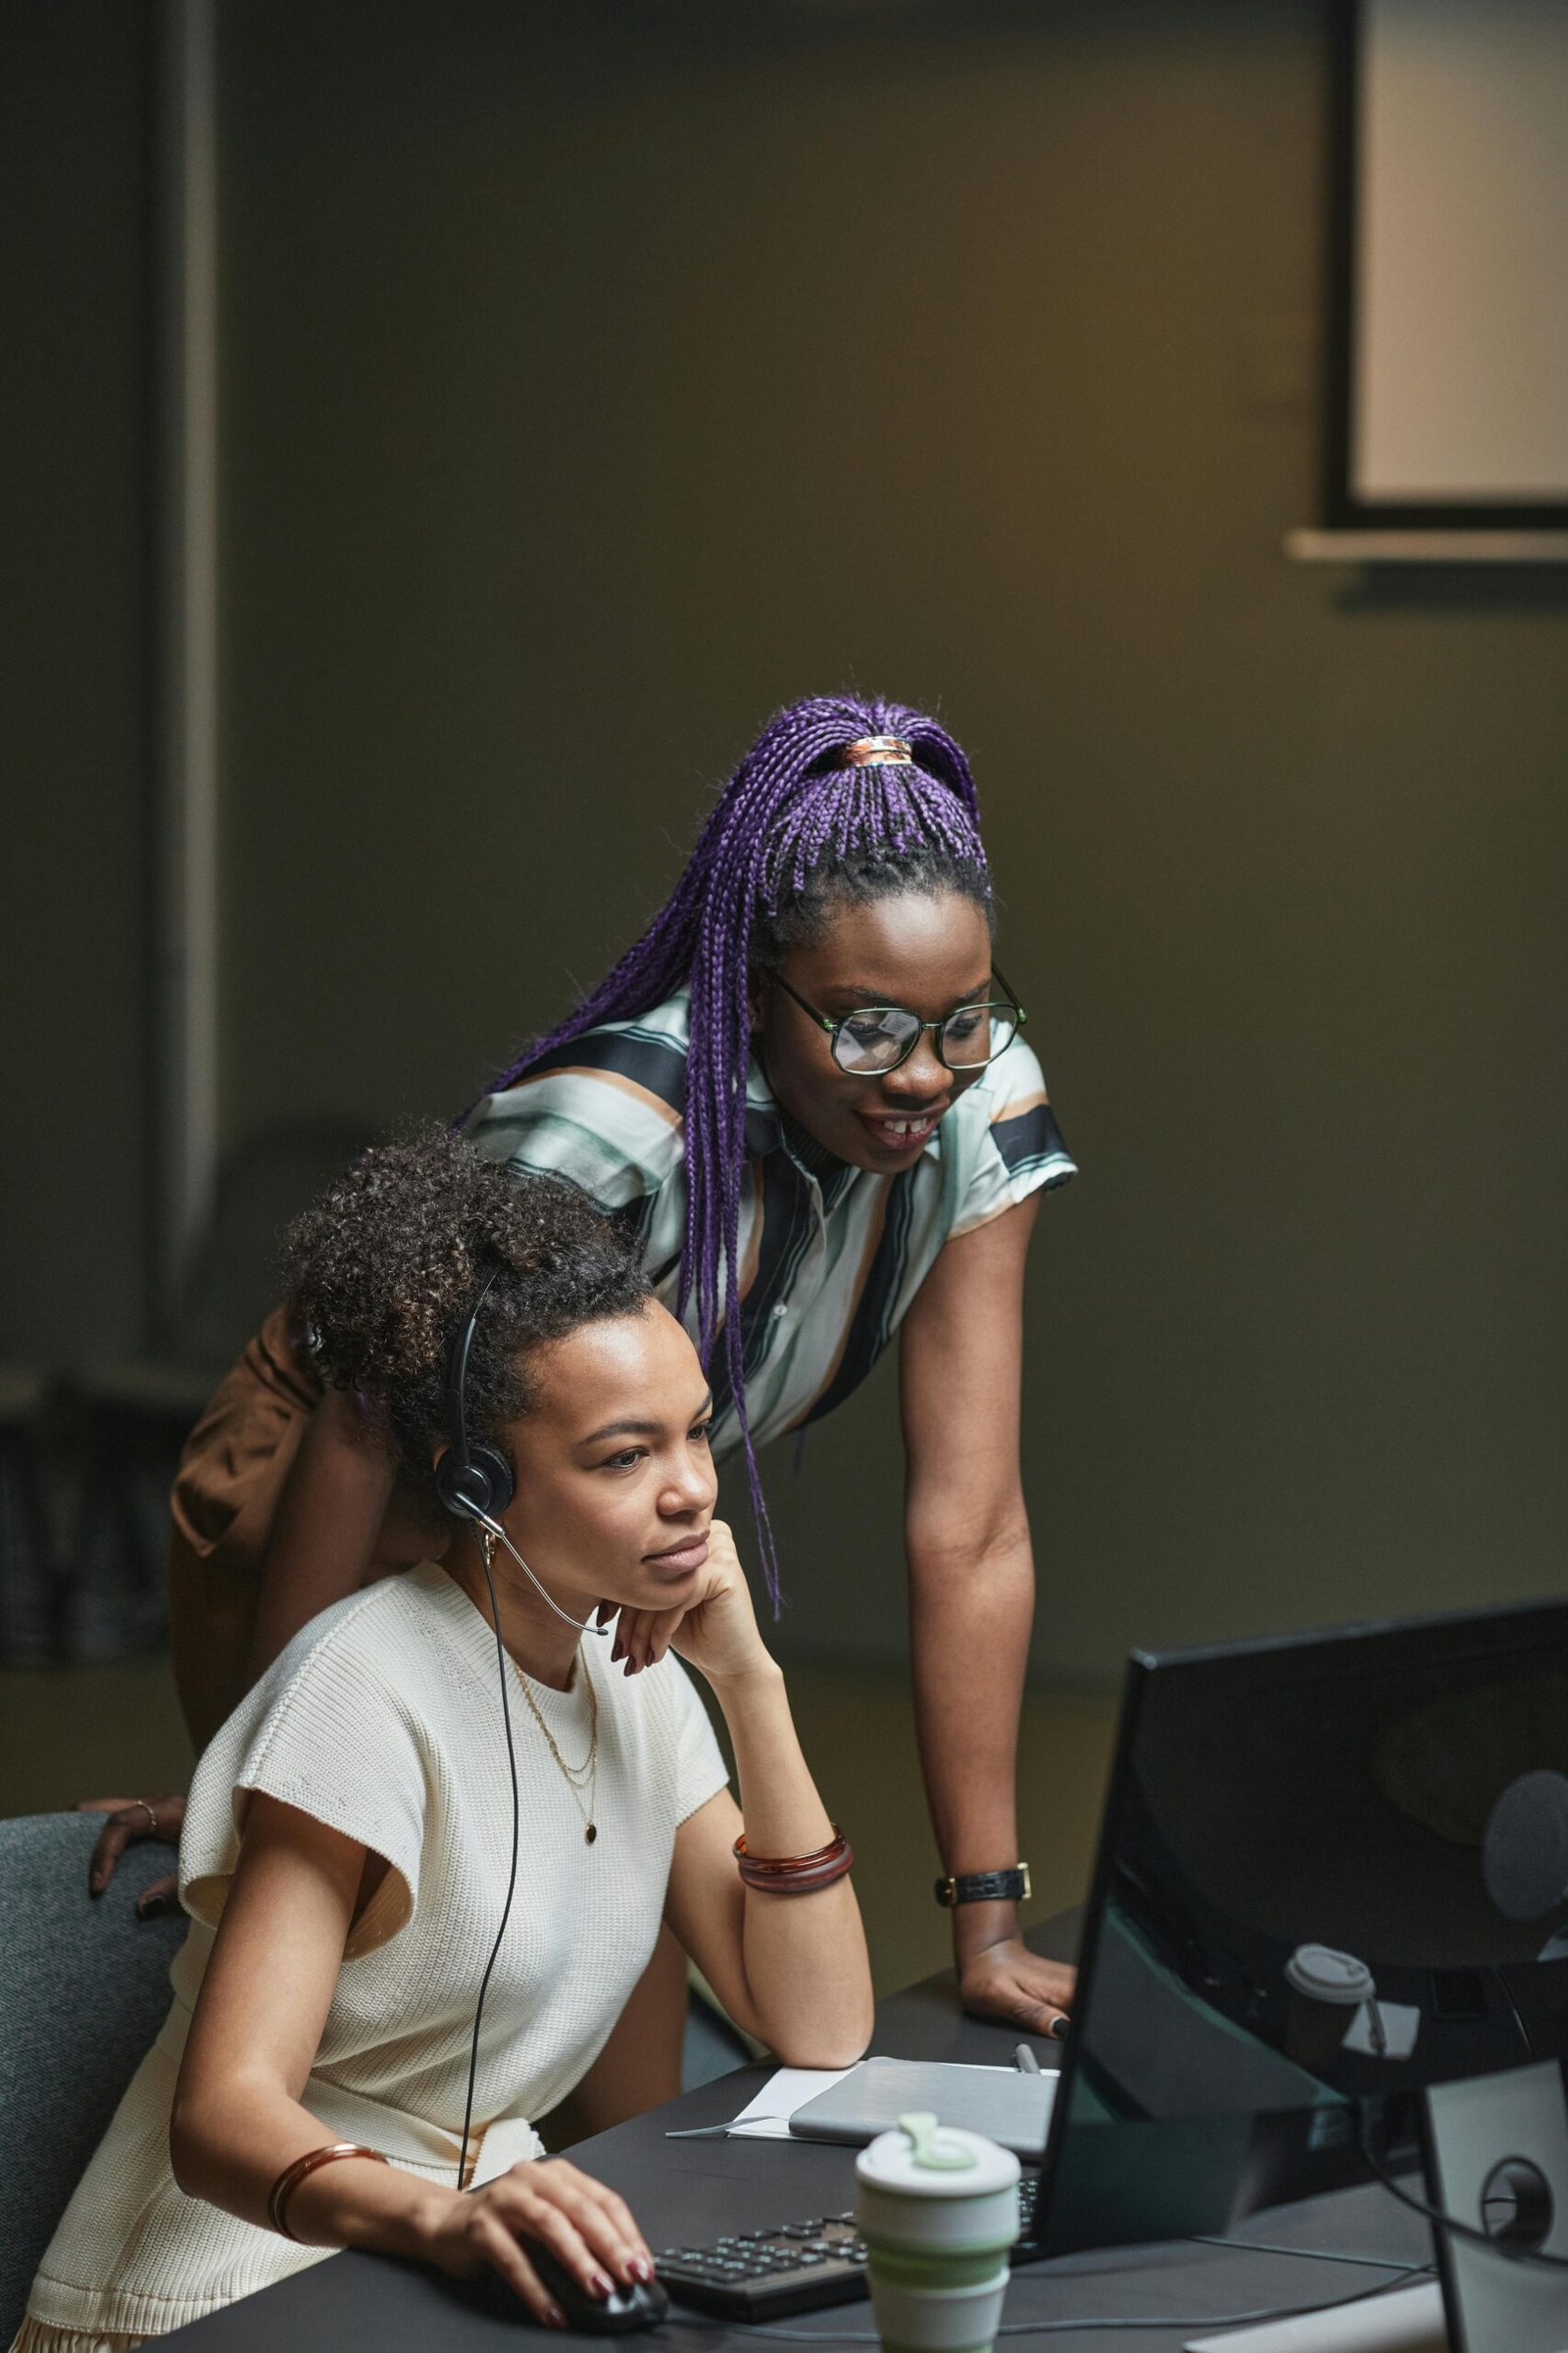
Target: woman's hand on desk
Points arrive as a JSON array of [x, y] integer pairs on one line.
[[584, 2226], [1005, 1979], [130, 1820]]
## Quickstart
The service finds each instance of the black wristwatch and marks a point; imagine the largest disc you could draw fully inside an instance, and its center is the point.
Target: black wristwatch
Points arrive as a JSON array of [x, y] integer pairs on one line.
[[985, 1886]]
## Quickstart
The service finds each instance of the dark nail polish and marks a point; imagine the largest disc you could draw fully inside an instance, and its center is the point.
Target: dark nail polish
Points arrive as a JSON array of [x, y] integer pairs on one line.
[[640, 2268], [1057, 2030], [602, 2286], [554, 2318]]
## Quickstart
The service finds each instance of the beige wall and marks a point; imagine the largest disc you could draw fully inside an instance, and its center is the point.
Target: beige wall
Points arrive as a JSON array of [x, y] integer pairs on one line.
[[598, 379]]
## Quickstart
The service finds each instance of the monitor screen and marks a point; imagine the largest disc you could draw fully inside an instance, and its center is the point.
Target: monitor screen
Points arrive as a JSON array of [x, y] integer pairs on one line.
[[1295, 1907]]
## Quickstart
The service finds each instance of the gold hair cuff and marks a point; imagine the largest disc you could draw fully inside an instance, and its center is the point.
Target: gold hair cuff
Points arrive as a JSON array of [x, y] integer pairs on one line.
[[871, 750]]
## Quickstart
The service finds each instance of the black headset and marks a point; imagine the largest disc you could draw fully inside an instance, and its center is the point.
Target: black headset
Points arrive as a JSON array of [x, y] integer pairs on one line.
[[473, 1482], [477, 1484]]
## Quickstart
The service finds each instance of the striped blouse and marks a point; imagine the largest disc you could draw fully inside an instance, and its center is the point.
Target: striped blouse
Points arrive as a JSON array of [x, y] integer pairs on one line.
[[830, 1256]]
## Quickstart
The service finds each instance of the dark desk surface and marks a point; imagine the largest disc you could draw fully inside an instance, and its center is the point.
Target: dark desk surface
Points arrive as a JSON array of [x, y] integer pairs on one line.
[[690, 2191]]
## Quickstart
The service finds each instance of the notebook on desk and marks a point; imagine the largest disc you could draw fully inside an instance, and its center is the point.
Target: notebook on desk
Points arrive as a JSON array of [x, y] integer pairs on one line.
[[1007, 2107]]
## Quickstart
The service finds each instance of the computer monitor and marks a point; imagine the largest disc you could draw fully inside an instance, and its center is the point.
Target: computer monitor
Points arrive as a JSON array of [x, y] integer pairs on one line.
[[1296, 1909]]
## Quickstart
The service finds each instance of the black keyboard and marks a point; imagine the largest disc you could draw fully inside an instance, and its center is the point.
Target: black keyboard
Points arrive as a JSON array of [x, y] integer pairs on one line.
[[795, 2267]]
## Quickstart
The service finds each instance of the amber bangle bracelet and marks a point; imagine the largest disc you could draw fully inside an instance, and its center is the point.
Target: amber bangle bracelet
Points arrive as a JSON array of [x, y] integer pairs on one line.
[[790, 1862], [289, 2179], [796, 1874]]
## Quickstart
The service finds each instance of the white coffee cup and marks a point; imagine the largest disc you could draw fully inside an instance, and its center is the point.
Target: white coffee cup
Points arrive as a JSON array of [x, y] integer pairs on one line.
[[1327, 1991], [938, 2209]]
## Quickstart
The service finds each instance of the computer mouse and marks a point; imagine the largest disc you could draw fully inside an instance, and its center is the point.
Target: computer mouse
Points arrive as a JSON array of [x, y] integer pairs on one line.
[[626, 2307], [622, 2310]]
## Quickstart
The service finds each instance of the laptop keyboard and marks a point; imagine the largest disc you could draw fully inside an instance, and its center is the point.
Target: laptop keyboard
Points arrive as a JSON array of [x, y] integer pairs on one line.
[[795, 2267]]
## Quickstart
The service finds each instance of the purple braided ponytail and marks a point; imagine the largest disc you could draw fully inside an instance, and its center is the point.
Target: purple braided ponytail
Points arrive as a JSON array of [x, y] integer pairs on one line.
[[794, 813]]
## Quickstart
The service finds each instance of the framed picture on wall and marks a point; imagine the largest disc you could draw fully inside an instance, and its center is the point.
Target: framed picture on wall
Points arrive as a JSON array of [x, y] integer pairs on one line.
[[1447, 287]]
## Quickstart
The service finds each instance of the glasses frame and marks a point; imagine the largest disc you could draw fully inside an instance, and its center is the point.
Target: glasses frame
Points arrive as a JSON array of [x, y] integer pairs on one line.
[[1010, 999]]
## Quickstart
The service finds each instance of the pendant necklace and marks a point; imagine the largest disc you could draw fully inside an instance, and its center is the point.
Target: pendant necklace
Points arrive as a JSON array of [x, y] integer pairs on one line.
[[578, 1778]]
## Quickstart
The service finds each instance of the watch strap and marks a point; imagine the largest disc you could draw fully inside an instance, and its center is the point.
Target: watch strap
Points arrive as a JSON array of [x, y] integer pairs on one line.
[[985, 1886]]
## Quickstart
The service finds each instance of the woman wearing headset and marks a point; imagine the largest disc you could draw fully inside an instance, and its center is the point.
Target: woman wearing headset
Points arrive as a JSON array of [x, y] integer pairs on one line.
[[805, 1087], [323, 2079]]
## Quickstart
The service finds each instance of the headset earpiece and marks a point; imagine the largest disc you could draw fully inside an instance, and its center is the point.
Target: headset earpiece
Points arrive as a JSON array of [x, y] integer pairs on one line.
[[479, 1489], [475, 1482]]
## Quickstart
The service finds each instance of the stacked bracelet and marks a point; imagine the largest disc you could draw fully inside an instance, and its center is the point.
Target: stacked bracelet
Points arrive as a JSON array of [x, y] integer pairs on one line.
[[796, 1874], [289, 2179]]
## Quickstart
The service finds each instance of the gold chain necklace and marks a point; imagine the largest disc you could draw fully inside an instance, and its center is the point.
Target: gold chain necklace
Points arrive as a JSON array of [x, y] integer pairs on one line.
[[576, 1776], [583, 1775]]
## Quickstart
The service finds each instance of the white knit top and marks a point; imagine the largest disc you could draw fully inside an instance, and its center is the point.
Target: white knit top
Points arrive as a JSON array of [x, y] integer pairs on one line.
[[382, 1719]]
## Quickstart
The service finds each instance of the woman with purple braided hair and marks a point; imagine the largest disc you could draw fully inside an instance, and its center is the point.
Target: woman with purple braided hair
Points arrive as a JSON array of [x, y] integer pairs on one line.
[[803, 1089]]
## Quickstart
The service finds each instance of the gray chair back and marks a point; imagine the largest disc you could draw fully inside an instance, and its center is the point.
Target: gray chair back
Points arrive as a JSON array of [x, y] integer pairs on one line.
[[83, 1989]]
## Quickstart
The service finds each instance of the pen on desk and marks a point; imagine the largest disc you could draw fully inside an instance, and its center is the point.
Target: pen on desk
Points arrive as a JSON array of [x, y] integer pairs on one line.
[[1024, 2060]]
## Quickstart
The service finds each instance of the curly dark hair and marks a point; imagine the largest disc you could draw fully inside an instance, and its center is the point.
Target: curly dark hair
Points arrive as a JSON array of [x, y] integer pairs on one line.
[[384, 1269]]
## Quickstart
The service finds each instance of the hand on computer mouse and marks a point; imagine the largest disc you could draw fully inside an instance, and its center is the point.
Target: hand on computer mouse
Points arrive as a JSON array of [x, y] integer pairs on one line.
[[642, 2305], [545, 2205]]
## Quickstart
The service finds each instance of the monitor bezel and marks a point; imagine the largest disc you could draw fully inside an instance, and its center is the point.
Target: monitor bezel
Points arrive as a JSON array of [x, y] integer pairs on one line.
[[1509, 1626]]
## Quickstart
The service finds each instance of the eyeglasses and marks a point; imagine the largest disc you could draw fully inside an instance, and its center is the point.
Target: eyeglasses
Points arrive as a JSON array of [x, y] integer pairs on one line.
[[877, 1038]]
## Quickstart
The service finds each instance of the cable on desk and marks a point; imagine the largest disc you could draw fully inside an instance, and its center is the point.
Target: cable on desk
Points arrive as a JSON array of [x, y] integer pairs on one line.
[[1445, 2221], [1518, 2018], [1263, 2246], [1060, 2327]]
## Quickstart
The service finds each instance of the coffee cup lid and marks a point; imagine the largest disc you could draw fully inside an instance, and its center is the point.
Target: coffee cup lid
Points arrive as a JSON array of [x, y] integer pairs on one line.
[[926, 2159], [1327, 1976]]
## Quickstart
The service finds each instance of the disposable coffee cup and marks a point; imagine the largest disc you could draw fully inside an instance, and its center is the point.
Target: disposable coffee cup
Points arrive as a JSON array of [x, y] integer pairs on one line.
[[938, 2209], [1327, 1991]]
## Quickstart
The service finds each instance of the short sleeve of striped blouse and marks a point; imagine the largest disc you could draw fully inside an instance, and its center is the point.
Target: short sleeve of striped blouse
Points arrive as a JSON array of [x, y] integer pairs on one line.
[[604, 1114], [1008, 1141]]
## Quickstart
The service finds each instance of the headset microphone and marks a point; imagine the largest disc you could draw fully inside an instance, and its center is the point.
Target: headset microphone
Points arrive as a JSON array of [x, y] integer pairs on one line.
[[579, 1624]]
